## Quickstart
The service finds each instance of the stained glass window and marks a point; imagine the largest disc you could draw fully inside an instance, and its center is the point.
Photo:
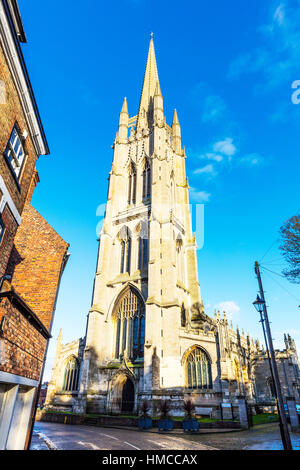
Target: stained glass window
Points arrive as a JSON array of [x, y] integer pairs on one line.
[[198, 370], [71, 375], [130, 325]]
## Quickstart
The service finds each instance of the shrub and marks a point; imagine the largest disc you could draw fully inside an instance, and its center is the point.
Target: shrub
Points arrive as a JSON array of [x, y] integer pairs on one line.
[[144, 408], [189, 408], [164, 408]]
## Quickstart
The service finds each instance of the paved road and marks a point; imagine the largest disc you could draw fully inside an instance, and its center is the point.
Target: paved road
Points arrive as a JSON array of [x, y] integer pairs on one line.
[[67, 437]]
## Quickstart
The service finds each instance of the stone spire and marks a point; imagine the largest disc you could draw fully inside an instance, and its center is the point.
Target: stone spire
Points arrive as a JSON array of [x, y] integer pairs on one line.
[[176, 133], [123, 122], [158, 109], [149, 86]]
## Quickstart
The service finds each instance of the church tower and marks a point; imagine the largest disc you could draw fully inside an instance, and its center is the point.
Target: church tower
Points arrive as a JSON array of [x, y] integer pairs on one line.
[[146, 281]]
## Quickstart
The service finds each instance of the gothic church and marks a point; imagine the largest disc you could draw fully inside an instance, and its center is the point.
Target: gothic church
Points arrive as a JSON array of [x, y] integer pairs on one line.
[[148, 336]]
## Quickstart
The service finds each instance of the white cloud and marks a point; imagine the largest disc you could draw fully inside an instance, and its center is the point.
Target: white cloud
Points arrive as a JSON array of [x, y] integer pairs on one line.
[[214, 108], [278, 55], [209, 169], [230, 307], [199, 196], [212, 156], [226, 147], [279, 14], [253, 159]]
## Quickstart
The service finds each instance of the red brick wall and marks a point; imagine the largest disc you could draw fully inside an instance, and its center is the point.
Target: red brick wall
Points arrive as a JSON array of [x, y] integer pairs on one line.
[[7, 238], [24, 346], [12, 112], [35, 263]]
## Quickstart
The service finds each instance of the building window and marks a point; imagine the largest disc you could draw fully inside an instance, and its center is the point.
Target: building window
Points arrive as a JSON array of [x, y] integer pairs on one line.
[[125, 240], [146, 180], [143, 253], [129, 316], [14, 151], [143, 234], [132, 184], [71, 375], [198, 370], [183, 315]]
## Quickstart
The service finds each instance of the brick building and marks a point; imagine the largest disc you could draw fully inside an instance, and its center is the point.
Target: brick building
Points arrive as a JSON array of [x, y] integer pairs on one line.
[[32, 255]]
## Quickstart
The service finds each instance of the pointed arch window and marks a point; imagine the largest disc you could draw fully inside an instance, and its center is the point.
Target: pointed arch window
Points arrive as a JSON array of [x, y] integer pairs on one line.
[[71, 375], [198, 370], [129, 319], [125, 241], [132, 184], [146, 180]]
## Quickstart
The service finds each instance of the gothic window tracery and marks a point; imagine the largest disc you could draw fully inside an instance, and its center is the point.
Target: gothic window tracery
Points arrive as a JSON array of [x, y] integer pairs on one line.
[[198, 370], [129, 319], [71, 375]]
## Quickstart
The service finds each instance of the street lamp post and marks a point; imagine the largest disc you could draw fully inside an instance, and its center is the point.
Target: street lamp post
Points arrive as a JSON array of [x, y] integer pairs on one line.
[[260, 305]]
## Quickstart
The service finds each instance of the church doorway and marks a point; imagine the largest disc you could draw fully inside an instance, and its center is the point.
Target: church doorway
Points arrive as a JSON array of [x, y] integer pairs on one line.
[[127, 397]]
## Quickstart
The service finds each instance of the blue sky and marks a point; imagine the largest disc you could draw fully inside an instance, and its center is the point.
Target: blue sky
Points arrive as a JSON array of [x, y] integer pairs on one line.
[[228, 68]]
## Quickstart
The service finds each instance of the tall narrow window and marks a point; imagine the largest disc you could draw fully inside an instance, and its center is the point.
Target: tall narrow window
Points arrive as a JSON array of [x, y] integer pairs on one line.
[[198, 370], [132, 184], [123, 246], [146, 180], [183, 316], [71, 375], [130, 325], [143, 259], [125, 242], [14, 151], [143, 253], [128, 255]]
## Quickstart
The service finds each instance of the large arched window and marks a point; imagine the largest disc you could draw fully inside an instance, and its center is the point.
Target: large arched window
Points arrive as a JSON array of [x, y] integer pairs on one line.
[[70, 383], [198, 370], [129, 316], [132, 184], [125, 259], [146, 180]]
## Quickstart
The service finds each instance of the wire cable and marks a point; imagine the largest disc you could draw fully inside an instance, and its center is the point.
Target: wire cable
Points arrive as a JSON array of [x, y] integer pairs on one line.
[[275, 280]]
